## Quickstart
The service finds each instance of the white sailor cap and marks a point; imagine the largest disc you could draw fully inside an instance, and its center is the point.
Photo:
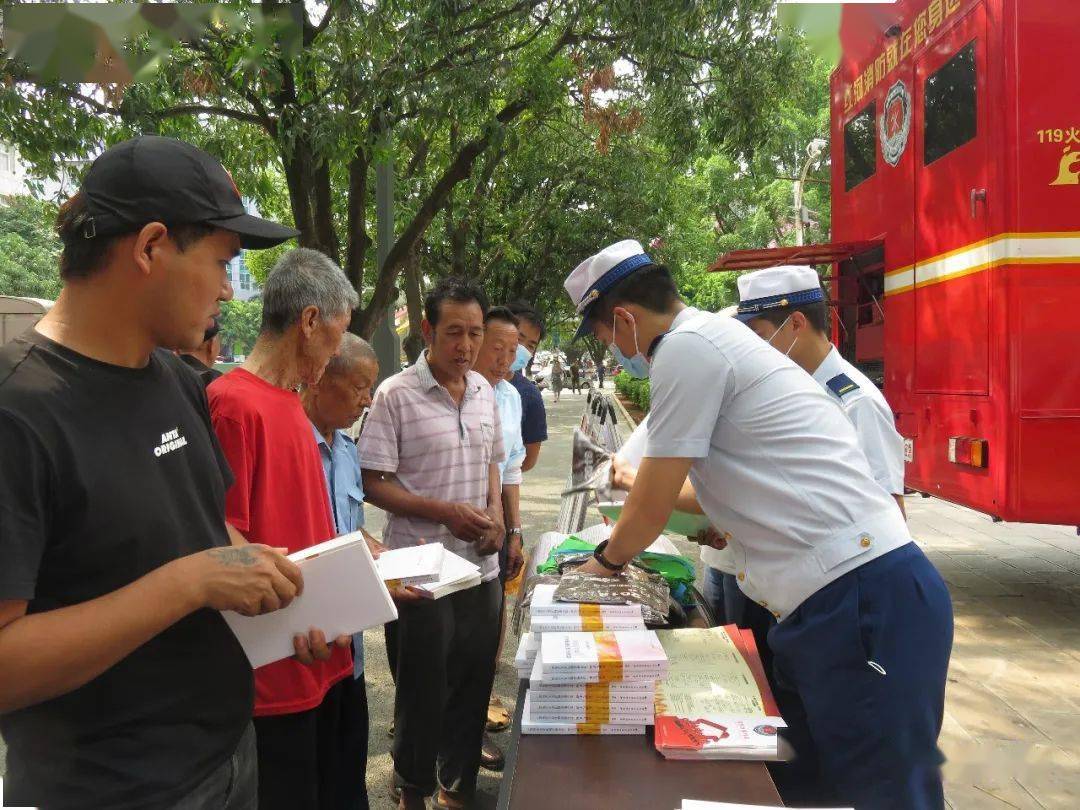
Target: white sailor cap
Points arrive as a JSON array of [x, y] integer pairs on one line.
[[777, 287], [598, 274]]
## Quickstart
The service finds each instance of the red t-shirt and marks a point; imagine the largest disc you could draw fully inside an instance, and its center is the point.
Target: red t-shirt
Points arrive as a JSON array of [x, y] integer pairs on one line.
[[279, 498]]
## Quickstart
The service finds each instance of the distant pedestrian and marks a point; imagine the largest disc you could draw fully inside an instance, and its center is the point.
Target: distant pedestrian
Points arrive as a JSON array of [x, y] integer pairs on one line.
[[556, 378], [575, 377]]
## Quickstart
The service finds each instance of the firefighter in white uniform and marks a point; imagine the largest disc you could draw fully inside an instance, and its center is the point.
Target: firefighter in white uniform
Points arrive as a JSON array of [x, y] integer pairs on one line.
[[786, 307], [865, 621]]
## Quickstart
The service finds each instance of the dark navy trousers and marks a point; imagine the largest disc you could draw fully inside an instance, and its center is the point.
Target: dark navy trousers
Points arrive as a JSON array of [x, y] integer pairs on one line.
[[867, 658]]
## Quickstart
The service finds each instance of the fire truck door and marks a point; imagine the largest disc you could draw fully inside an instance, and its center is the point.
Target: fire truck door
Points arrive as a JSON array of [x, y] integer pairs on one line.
[[952, 202]]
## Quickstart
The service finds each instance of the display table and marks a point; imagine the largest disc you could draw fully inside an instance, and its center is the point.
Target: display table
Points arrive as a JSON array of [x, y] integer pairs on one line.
[[589, 772]]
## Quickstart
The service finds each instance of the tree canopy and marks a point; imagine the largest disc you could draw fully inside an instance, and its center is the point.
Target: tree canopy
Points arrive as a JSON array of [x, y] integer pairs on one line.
[[527, 131], [29, 249]]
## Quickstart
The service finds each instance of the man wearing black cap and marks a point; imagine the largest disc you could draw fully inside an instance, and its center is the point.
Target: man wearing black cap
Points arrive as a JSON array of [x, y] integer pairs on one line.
[[120, 684], [201, 360]]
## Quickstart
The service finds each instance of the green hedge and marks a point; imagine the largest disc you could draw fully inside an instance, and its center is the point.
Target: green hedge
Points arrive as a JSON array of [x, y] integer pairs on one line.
[[637, 391]]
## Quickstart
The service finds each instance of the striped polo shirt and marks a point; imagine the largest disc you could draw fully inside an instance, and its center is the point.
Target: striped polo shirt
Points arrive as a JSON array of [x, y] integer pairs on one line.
[[435, 449]]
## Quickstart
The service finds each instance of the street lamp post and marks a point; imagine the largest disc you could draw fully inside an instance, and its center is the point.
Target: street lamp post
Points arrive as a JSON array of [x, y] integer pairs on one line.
[[385, 340], [814, 150]]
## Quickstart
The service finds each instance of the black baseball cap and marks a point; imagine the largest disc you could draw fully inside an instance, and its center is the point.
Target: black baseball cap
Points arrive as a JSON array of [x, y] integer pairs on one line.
[[156, 179]]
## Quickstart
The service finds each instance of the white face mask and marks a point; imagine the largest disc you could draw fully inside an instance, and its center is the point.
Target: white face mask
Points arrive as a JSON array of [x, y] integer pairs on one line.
[[636, 366], [777, 332]]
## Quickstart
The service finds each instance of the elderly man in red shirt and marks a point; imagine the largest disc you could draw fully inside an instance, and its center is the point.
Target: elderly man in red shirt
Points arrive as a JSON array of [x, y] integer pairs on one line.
[[304, 704]]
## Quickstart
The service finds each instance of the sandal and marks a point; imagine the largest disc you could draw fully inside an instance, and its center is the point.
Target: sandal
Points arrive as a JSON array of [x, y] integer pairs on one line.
[[491, 756], [438, 804], [498, 716]]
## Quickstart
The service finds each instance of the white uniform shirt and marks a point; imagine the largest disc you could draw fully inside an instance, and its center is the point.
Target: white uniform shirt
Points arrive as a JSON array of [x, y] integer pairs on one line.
[[872, 417], [775, 462]]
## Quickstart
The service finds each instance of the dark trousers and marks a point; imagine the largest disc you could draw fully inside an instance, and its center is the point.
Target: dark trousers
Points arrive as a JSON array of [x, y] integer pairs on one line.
[[316, 760], [741, 610], [233, 786], [867, 657], [799, 781], [443, 657]]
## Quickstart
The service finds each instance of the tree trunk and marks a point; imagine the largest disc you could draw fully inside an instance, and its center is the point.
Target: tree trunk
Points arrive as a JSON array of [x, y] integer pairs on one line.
[[296, 179], [323, 212], [414, 343], [458, 170], [357, 240]]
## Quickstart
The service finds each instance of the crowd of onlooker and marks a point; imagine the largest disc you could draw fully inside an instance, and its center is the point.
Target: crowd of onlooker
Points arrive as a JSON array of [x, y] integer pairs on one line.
[[142, 492]]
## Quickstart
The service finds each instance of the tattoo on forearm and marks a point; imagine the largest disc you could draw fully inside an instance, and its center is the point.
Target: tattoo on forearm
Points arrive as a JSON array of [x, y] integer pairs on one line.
[[234, 556]]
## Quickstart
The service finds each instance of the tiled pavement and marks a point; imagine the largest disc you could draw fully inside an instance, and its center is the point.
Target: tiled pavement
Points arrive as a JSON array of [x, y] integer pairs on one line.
[[1012, 724]]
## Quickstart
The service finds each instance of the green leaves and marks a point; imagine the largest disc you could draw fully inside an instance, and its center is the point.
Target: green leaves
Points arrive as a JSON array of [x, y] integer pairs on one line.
[[29, 251], [240, 321]]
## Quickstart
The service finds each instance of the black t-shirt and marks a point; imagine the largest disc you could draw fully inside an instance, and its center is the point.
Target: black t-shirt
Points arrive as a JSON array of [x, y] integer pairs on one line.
[[107, 473], [205, 372]]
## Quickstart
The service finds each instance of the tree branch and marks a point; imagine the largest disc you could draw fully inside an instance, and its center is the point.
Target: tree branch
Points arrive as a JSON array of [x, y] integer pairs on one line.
[[208, 109], [458, 170]]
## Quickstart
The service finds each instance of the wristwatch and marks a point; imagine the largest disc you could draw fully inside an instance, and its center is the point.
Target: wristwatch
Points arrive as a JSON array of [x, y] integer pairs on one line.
[[512, 532], [598, 555]]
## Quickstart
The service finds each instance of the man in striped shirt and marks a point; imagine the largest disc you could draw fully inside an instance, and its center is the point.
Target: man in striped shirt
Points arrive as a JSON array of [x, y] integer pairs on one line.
[[430, 451]]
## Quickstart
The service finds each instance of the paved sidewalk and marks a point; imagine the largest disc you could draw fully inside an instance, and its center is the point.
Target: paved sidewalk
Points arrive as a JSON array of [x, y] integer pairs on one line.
[[1012, 725]]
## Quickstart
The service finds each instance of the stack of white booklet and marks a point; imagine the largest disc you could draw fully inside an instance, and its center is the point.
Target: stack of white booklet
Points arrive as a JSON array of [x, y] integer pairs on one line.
[[594, 683], [631, 655], [531, 724], [456, 574], [527, 650], [548, 616], [414, 565], [343, 594]]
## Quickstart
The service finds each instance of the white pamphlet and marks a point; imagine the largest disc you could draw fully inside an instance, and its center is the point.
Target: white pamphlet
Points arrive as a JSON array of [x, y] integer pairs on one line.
[[343, 594], [457, 574], [414, 565]]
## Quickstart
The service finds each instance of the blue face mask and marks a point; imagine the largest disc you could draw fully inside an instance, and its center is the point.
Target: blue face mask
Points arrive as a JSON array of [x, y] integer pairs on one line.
[[636, 366], [521, 360]]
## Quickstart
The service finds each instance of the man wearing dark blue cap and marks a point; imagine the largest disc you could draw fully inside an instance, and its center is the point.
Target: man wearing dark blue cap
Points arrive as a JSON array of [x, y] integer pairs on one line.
[[865, 621], [121, 686]]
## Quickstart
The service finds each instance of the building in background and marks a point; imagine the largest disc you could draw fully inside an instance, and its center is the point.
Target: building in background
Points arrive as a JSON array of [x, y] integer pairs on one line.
[[244, 285], [12, 172]]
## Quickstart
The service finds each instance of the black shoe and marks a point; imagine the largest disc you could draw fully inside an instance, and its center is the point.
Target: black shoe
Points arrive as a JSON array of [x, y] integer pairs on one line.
[[491, 756]]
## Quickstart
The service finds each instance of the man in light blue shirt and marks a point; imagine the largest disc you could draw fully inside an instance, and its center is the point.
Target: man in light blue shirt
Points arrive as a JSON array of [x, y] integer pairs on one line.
[[333, 405], [493, 362]]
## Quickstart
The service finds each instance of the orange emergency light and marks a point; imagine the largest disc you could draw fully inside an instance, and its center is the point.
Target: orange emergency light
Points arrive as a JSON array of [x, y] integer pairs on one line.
[[969, 452]]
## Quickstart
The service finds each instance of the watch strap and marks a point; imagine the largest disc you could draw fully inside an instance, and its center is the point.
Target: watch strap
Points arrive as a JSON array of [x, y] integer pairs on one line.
[[598, 555]]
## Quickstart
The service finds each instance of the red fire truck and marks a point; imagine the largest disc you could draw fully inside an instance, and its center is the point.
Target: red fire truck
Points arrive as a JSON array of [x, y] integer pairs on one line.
[[955, 273]]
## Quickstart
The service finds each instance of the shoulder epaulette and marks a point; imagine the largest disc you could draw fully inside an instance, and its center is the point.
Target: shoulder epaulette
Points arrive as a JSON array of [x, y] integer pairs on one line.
[[842, 385]]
